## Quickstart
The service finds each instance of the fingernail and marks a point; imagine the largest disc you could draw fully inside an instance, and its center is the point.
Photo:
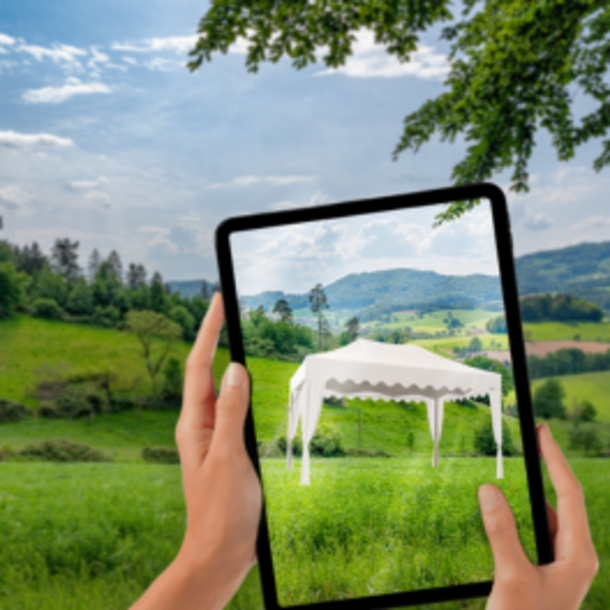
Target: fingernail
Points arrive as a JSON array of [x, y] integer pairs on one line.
[[236, 374], [488, 497]]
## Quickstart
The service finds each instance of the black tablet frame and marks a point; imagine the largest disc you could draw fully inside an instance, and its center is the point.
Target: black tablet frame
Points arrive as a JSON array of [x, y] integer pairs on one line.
[[501, 223]]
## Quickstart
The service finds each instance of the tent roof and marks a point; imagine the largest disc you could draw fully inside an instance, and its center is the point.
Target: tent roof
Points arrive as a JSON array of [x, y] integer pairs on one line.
[[376, 362]]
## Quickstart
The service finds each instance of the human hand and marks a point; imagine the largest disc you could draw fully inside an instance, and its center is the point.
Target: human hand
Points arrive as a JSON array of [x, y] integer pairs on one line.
[[223, 493], [561, 585]]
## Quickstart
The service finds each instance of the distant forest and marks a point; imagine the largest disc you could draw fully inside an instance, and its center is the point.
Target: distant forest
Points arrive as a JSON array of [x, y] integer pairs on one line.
[[56, 286]]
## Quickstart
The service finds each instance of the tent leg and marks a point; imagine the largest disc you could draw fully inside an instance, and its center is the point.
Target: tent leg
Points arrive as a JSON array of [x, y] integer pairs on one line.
[[435, 463], [289, 455]]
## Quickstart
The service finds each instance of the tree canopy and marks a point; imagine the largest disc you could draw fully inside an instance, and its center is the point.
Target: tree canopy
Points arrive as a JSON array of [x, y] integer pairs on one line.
[[516, 67]]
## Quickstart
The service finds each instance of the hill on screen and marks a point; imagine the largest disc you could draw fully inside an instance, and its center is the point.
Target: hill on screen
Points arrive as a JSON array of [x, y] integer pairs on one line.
[[406, 287]]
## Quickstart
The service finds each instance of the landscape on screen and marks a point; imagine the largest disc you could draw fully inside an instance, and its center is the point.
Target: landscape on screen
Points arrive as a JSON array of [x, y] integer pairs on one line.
[[87, 450]]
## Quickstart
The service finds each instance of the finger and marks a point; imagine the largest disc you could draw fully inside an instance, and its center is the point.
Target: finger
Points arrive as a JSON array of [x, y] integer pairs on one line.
[[573, 527], [231, 409], [509, 557], [552, 515], [199, 395]]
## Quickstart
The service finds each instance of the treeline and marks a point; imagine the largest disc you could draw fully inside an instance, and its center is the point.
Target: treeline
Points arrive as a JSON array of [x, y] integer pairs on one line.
[[567, 361], [56, 286], [559, 308]]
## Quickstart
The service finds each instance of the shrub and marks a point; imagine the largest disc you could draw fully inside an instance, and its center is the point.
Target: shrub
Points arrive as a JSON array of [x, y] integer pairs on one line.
[[123, 403], [161, 455], [327, 442], [297, 444], [485, 442], [47, 308], [354, 452], [48, 410], [64, 451], [587, 438], [11, 411], [173, 380]]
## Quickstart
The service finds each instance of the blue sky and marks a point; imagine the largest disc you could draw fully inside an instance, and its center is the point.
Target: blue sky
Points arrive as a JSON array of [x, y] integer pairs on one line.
[[293, 258], [106, 137]]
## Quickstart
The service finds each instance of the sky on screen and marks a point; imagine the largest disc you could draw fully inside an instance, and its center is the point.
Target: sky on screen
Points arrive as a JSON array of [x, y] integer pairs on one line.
[[296, 257], [106, 137]]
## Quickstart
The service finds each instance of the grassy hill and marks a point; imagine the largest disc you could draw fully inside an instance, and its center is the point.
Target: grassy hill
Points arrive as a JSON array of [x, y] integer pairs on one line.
[[393, 286], [553, 331], [594, 387], [582, 270]]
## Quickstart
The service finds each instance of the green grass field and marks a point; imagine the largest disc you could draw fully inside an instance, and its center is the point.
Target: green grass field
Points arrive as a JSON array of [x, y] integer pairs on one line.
[[555, 331], [594, 387], [433, 322], [94, 536], [444, 346]]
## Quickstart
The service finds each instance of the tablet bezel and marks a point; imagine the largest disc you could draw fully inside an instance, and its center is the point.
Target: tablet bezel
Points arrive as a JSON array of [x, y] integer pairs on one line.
[[501, 223]]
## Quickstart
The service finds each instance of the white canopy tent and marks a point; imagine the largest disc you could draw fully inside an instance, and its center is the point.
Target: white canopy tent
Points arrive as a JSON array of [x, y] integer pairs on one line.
[[368, 369]]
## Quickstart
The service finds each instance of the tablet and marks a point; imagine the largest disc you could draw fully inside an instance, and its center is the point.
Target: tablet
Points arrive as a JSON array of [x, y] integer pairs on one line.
[[389, 382]]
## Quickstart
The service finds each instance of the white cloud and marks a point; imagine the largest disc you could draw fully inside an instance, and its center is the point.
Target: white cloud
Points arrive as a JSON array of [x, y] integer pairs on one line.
[[250, 180], [98, 58], [13, 200], [283, 205], [56, 95], [88, 184], [12, 139], [60, 54], [162, 64], [98, 198], [180, 44], [537, 222], [6, 40], [130, 60], [158, 236], [370, 59]]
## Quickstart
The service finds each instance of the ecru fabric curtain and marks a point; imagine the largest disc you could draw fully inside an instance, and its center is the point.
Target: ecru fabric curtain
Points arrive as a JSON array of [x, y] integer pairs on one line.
[[368, 369]]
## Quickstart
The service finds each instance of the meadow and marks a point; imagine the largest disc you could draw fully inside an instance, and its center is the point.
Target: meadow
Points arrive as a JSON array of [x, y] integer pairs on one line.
[[553, 331], [95, 535]]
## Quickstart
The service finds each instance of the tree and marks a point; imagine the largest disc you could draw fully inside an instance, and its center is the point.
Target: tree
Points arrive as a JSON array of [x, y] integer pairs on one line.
[[114, 261], [183, 318], [93, 266], [80, 301], [173, 380], [485, 441], [51, 285], [136, 276], [158, 297], [475, 345], [284, 310], [64, 259], [318, 303], [31, 259], [204, 291], [11, 288], [515, 68], [156, 334], [548, 400], [487, 364], [352, 326]]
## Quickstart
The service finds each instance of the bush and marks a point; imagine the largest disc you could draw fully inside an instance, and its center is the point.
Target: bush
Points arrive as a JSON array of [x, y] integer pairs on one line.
[[64, 451], [485, 442], [327, 442], [123, 403], [354, 452], [11, 411], [47, 308], [587, 438], [161, 455], [173, 380], [297, 444], [48, 410]]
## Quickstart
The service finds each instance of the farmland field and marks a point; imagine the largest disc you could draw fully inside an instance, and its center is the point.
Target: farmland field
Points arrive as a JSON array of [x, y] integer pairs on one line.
[[555, 331], [433, 321]]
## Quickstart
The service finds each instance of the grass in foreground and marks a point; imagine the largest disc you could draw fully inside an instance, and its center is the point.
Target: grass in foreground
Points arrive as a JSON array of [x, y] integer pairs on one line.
[[555, 331]]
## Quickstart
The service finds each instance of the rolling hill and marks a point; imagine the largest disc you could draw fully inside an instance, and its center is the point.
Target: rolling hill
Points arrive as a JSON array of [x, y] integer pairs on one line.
[[400, 287]]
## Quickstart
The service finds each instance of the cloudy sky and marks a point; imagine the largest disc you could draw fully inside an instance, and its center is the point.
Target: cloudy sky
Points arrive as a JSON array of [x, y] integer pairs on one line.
[[106, 137], [293, 258]]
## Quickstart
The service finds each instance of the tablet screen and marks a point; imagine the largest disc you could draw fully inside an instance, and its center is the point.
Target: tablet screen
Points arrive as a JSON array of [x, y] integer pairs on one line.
[[382, 399]]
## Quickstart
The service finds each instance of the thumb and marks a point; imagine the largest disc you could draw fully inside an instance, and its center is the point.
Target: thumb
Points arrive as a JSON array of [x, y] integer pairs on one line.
[[501, 529], [231, 407]]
